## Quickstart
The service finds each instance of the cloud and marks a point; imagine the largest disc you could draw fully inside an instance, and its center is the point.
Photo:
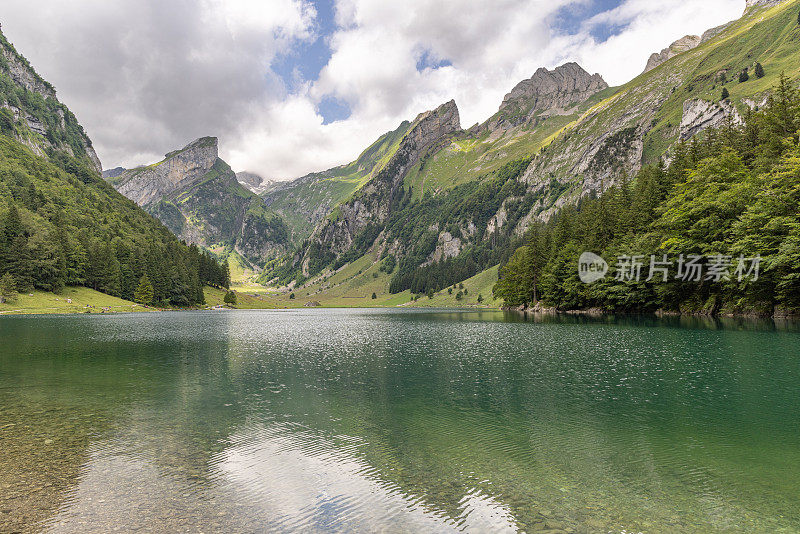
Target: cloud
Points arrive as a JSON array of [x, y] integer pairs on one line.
[[147, 76]]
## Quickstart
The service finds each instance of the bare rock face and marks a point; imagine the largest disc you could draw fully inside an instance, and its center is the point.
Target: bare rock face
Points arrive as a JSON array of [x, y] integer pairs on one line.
[[23, 75], [447, 247], [430, 127], [17, 68], [199, 198], [177, 172], [372, 204], [701, 114], [548, 92], [683, 44]]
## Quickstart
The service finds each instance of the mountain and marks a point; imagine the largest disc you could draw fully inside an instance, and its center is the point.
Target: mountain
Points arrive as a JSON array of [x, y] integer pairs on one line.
[[431, 155], [61, 224], [535, 109], [683, 44], [306, 201], [199, 198], [641, 122], [450, 202], [255, 183], [546, 93], [32, 114], [113, 173]]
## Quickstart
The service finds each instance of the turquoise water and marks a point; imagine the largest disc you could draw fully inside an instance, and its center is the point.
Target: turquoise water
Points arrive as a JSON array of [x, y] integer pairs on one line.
[[397, 421]]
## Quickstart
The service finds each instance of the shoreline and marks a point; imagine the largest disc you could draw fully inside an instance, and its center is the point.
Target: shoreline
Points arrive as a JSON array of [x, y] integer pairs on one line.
[[600, 312]]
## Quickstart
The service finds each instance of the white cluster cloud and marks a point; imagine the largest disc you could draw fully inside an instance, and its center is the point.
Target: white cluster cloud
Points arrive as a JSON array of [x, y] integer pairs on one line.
[[147, 76]]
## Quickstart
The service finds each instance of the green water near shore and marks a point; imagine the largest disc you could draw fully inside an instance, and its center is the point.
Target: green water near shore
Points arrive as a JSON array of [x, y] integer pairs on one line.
[[398, 421]]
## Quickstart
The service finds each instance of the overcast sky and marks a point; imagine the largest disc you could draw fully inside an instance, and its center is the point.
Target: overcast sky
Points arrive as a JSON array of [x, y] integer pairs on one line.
[[294, 86]]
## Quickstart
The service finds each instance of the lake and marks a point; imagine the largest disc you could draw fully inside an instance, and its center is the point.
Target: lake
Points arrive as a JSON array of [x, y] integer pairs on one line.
[[397, 421]]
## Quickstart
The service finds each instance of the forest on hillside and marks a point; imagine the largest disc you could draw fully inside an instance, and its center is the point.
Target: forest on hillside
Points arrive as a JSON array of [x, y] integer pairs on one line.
[[62, 225], [727, 198]]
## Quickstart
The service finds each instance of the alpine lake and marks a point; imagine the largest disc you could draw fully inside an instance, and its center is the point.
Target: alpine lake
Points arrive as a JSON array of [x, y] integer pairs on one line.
[[398, 420]]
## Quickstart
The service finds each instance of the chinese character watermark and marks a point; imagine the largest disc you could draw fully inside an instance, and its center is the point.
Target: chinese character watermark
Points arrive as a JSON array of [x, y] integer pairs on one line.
[[686, 268]]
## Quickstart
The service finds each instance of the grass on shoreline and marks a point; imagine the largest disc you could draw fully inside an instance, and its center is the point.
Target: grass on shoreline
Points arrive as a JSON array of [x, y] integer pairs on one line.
[[70, 300], [352, 287]]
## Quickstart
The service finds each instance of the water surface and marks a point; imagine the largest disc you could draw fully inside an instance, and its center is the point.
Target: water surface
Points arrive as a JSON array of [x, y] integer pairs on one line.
[[397, 421]]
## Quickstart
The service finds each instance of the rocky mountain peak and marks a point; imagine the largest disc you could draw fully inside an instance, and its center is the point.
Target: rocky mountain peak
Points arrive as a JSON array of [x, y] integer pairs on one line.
[[687, 42], [207, 146], [430, 126], [549, 90], [255, 183], [179, 170]]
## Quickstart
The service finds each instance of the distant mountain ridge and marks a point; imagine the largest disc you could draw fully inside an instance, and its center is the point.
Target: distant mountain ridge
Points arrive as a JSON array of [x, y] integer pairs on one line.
[[256, 183]]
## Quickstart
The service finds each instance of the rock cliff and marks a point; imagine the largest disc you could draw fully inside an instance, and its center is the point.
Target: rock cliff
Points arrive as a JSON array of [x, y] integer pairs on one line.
[[198, 197], [178, 171], [699, 115], [547, 92], [683, 44], [41, 122], [371, 205]]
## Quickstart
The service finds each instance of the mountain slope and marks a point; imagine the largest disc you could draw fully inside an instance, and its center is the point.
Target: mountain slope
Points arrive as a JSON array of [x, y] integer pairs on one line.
[[306, 201], [61, 224], [533, 111], [31, 113], [197, 196], [436, 157], [469, 196], [677, 99]]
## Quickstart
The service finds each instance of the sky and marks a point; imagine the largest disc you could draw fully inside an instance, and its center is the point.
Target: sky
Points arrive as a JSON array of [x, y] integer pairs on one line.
[[295, 86]]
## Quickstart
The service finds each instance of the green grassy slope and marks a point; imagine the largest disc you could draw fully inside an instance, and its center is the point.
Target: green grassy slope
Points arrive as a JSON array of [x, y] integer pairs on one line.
[[245, 300], [69, 300], [354, 284]]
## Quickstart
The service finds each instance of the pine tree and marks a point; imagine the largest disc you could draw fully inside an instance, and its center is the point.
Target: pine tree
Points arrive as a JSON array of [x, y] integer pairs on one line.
[[144, 291], [743, 76], [8, 288], [759, 70], [104, 269], [374, 296], [725, 94], [226, 276]]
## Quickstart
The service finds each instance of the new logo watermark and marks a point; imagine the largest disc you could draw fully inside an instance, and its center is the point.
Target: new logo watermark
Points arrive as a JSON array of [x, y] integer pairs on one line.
[[591, 267], [688, 268]]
